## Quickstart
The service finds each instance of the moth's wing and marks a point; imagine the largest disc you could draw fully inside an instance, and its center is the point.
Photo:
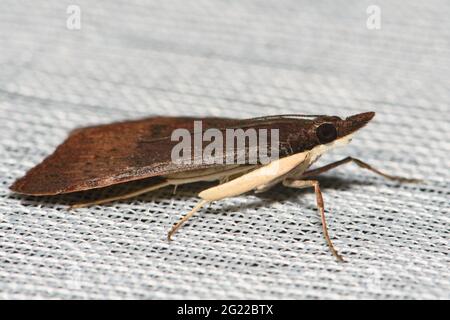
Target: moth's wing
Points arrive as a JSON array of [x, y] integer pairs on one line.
[[100, 156], [105, 155]]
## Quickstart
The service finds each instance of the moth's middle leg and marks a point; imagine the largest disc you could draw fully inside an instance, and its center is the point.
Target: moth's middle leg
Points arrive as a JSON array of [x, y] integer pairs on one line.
[[301, 184]]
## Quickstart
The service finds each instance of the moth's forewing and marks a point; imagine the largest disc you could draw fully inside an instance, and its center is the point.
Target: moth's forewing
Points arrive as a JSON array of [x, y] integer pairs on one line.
[[105, 155]]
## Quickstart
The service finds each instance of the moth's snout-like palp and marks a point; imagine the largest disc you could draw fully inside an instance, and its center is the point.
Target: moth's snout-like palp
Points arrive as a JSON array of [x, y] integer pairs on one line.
[[354, 123], [358, 121], [362, 117]]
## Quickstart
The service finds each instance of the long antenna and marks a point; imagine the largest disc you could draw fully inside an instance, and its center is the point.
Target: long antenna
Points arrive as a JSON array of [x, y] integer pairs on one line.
[[281, 116]]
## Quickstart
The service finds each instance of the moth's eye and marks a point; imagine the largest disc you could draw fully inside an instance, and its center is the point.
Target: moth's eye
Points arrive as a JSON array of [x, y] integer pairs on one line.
[[326, 133]]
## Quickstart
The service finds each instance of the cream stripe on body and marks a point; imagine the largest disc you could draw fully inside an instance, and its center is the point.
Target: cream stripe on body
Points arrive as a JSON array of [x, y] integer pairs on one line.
[[260, 177]]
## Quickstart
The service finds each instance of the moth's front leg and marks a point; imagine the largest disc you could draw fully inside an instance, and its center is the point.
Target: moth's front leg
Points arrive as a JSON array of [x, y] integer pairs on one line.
[[361, 164], [301, 184]]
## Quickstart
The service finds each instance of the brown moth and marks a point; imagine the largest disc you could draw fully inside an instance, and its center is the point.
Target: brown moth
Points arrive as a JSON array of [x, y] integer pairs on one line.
[[105, 155]]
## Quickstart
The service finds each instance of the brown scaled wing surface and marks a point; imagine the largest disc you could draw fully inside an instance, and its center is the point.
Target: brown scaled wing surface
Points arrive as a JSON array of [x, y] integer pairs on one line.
[[100, 156]]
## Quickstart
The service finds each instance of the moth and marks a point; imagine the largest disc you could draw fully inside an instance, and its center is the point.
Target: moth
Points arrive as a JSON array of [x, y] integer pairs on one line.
[[106, 155]]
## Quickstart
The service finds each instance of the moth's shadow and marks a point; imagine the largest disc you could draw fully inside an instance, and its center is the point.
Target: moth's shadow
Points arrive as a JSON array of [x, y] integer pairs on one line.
[[278, 193]]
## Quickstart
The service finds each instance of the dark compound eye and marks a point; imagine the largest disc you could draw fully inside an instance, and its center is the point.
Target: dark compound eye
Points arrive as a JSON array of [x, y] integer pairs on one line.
[[326, 133]]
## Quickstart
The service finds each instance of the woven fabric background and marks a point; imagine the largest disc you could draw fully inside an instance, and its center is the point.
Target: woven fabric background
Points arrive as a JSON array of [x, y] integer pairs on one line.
[[137, 58]]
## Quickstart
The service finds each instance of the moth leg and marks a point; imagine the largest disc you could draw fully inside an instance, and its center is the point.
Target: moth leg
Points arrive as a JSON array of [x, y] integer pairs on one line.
[[301, 184], [185, 218], [361, 164], [121, 197], [244, 183]]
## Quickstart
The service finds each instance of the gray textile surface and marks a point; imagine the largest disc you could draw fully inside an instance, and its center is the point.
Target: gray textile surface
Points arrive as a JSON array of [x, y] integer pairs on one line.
[[137, 58]]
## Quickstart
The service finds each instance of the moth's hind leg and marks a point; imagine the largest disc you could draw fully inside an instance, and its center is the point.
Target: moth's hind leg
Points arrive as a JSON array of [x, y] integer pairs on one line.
[[301, 184], [361, 164], [121, 197]]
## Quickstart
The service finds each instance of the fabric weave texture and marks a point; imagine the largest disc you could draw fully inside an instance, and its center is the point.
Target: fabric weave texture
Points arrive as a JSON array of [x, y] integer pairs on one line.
[[136, 58]]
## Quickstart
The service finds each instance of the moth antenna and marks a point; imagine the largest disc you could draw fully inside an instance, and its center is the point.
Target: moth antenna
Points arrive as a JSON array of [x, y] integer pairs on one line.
[[282, 116]]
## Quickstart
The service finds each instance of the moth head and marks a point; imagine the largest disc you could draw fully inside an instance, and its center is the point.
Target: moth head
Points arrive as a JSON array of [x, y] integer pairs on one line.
[[328, 129]]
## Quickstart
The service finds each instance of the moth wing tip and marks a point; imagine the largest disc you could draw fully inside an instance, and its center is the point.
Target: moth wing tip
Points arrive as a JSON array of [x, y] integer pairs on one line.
[[16, 186]]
